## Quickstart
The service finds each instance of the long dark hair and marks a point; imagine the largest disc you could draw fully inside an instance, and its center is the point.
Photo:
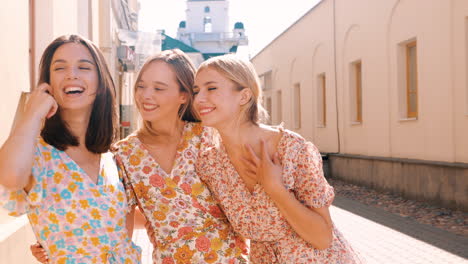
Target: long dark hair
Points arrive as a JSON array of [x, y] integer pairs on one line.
[[102, 126]]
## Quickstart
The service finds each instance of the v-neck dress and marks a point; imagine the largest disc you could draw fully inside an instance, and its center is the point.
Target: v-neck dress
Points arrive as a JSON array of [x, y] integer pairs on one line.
[[187, 222], [76, 220], [254, 214]]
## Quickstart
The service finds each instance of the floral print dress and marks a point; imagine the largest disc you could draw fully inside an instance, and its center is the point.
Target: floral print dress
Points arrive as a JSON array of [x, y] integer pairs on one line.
[[188, 223], [76, 220], [255, 216]]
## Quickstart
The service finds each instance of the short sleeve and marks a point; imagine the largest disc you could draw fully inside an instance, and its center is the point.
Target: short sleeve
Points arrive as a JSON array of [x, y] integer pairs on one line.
[[129, 193], [311, 187], [19, 202]]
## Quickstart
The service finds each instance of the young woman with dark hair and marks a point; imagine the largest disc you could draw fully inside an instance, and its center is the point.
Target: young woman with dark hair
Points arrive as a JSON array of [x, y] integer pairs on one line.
[[102, 124], [55, 165]]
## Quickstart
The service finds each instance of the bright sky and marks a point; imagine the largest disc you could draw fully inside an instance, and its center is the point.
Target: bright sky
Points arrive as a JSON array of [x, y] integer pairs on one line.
[[263, 20]]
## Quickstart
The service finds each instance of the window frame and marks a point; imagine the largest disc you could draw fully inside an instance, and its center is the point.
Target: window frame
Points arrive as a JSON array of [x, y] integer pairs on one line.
[[358, 90], [297, 106], [322, 99], [409, 91]]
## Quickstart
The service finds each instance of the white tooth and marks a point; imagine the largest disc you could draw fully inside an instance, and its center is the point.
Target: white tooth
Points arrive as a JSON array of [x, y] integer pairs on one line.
[[73, 89], [206, 110], [149, 106]]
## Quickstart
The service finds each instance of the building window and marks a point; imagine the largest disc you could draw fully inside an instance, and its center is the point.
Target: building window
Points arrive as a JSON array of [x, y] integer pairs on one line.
[[207, 24], [322, 100], [297, 106], [356, 91], [411, 80], [268, 108], [265, 81], [268, 84], [207, 9], [279, 107]]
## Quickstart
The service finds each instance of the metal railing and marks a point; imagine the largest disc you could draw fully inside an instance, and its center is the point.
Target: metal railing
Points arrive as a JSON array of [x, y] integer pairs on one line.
[[217, 36]]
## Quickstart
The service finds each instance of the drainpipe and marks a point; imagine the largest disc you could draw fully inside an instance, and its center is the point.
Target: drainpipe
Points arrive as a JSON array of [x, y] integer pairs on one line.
[[325, 156], [32, 45], [336, 79]]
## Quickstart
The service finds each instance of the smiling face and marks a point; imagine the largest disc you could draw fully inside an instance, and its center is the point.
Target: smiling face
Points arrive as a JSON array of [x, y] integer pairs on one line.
[[73, 77], [157, 93], [217, 99]]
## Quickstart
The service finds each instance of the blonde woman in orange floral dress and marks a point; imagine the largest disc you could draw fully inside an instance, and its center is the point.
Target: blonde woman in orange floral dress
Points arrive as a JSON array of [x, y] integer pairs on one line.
[[269, 180], [188, 226]]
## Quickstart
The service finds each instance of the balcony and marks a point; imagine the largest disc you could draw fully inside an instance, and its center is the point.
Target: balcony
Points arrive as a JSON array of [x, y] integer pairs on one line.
[[219, 37]]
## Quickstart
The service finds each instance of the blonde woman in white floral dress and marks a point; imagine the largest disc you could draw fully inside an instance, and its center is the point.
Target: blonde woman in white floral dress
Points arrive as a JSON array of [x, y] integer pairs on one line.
[[268, 180]]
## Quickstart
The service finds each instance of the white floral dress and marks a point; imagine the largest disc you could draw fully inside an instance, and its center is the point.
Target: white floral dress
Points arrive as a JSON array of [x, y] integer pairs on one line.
[[255, 216]]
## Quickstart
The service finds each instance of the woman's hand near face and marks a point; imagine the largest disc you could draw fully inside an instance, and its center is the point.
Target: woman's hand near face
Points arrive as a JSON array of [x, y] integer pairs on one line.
[[41, 104]]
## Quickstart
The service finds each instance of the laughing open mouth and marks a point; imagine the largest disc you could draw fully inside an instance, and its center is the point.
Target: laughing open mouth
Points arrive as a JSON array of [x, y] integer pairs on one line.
[[149, 107], [74, 90]]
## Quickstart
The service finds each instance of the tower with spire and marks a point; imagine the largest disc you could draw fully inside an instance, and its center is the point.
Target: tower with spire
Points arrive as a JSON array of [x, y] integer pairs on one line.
[[206, 28]]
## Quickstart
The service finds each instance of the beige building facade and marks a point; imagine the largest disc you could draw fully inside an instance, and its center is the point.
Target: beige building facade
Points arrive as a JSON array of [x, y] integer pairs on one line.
[[27, 28], [382, 86]]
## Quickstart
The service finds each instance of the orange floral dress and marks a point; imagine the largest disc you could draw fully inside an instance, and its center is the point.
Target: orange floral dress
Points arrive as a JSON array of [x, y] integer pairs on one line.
[[255, 216], [188, 223]]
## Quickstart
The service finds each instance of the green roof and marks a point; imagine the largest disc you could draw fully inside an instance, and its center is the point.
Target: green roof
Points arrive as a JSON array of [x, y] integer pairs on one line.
[[171, 43], [210, 55], [239, 25]]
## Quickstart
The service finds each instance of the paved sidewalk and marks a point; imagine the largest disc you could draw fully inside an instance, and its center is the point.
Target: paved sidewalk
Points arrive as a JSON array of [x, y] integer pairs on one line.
[[380, 237]]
